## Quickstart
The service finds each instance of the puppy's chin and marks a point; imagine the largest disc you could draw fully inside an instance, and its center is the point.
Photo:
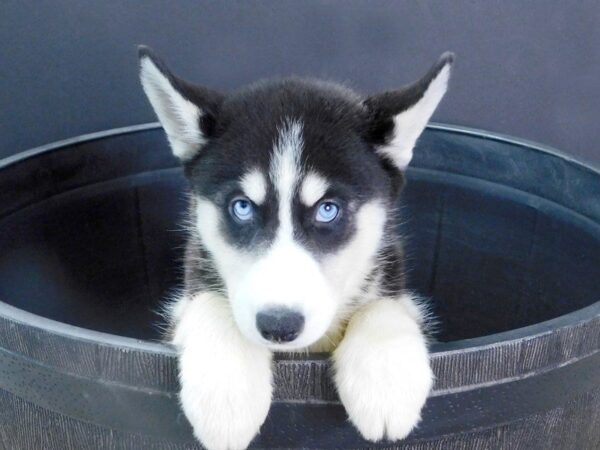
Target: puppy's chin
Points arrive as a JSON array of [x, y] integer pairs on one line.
[[302, 344], [287, 347]]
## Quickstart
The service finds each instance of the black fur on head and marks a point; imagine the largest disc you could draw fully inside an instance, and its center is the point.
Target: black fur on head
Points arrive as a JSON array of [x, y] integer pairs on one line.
[[338, 112], [360, 146]]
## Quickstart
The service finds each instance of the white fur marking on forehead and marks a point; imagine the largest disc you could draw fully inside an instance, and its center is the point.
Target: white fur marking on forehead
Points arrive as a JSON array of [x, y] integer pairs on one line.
[[314, 187], [409, 124], [254, 186], [285, 170], [178, 116]]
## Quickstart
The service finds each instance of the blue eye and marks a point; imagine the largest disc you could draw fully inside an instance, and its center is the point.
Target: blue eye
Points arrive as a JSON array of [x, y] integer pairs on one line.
[[327, 212], [242, 209]]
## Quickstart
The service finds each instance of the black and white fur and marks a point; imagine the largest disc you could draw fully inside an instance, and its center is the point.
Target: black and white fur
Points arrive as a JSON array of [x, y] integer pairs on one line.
[[290, 149]]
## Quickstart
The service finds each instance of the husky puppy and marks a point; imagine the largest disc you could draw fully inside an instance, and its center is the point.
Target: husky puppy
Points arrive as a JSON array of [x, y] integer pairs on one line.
[[293, 244]]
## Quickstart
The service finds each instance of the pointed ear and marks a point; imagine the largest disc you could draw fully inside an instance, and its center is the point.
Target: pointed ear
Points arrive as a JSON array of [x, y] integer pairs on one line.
[[397, 118], [187, 113]]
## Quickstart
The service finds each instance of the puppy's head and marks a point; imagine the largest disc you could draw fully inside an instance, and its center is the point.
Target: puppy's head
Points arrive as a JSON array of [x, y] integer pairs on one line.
[[293, 183]]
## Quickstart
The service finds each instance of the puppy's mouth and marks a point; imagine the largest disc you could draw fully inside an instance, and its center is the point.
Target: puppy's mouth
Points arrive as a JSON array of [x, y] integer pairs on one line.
[[301, 343]]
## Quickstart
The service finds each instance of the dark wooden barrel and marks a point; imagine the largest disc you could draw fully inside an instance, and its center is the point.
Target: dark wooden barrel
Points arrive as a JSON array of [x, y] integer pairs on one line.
[[503, 236]]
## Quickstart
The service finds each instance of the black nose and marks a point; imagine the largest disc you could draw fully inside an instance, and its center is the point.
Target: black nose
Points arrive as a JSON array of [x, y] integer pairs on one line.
[[279, 324]]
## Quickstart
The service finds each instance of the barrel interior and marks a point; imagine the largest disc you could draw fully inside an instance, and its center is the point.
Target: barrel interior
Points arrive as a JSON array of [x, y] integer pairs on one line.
[[102, 251]]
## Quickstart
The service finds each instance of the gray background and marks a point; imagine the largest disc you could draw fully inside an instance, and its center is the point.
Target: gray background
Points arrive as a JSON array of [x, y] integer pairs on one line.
[[529, 69]]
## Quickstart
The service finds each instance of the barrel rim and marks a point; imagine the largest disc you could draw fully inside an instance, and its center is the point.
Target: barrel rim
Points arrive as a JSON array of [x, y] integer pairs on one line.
[[450, 128]]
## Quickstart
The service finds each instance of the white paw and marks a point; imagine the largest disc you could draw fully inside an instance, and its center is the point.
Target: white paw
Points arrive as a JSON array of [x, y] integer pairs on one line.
[[382, 372], [228, 413], [225, 380]]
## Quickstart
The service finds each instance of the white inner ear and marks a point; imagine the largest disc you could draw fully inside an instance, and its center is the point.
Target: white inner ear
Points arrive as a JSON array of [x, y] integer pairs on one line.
[[409, 124], [178, 116]]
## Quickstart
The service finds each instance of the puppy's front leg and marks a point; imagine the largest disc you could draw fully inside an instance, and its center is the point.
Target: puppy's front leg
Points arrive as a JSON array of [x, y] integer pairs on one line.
[[382, 370], [225, 379]]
